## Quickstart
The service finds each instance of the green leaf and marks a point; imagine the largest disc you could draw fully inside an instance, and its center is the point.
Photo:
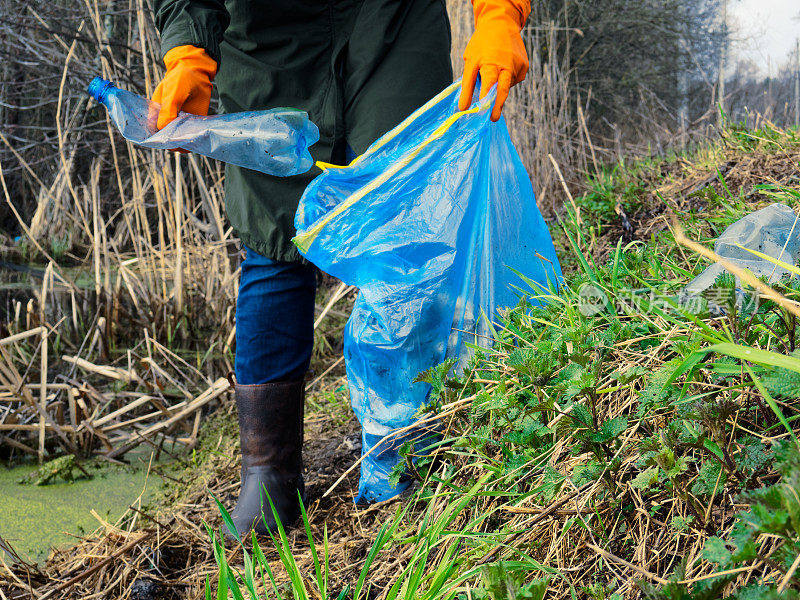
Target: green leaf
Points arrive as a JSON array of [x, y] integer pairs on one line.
[[665, 458], [226, 518], [710, 478], [528, 432], [715, 551], [222, 580], [765, 592], [526, 360], [343, 594], [658, 393], [755, 355], [551, 485], [249, 576], [233, 586], [504, 580], [263, 564], [321, 583], [712, 447], [687, 365], [384, 534], [783, 383], [591, 471], [436, 376], [610, 430], [742, 538], [645, 479], [772, 404], [681, 465], [581, 415], [725, 366], [753, 457], [680, 523], [775, 261], [534, 590]]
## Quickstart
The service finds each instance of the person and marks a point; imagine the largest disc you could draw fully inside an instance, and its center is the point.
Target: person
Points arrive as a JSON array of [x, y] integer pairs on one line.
[[358, 68]]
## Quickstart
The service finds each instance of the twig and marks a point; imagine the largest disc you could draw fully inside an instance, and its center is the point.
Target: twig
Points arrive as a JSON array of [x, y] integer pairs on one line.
[[446, 410], [789, 573], [102, 563], [220, 386], [106, 371], [720, 574], [545, 513], [622, 561], [340, 293], [328, 370]]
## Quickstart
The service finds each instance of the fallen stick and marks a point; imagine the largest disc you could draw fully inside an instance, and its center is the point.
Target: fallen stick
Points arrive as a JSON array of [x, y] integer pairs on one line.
[[219, 387], [159, 372], [562, 512], [23, 335], [13, 381], [735, 571], [10, 572], [106, 371], [328, 370], [43, 371], [125, 409], [613, 558], [446, 410], [50, 386], [340, 293], [149, 416], [557, 505], [6, 396], [49, 426], [18, 445]]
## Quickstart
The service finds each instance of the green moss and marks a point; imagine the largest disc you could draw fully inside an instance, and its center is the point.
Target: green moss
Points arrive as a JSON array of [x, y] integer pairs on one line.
[[39, 517]]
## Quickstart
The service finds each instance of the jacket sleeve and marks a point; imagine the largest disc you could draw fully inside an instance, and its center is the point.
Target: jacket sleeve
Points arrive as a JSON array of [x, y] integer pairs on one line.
[[200, 23]]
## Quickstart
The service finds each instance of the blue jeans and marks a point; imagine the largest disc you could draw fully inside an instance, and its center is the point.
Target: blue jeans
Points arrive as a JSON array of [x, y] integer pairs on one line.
[[274, 320]]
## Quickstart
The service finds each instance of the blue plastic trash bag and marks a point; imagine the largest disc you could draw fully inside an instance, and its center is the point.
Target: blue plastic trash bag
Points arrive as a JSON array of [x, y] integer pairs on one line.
[[430, 224]]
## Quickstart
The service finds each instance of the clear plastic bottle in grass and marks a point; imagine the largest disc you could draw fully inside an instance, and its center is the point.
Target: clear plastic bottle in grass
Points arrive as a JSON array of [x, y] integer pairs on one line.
[[274, 141]]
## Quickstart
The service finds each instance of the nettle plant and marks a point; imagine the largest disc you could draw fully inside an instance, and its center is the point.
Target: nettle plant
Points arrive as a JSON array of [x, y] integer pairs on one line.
[[763, 544], [712, 388]]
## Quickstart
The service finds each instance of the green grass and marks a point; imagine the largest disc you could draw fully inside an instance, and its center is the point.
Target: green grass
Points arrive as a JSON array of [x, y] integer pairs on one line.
[[625, 447]]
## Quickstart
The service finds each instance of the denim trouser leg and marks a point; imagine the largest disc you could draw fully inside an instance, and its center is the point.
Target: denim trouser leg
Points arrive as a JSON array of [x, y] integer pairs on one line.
[[274, 320]]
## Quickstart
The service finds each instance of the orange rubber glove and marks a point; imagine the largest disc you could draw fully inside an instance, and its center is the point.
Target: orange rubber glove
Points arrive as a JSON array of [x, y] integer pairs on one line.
[[187, 84], [495, 51]]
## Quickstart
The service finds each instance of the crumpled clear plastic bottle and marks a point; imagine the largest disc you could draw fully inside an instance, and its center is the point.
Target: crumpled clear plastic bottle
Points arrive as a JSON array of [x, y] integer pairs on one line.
[[773, 231], [272, 141]]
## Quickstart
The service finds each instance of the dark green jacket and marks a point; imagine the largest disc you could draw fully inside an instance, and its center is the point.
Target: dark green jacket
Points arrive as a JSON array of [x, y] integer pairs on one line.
[[358, 67]]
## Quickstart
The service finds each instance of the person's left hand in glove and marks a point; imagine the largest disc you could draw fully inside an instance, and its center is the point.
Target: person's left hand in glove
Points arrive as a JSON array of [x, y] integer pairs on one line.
[[495, 51], [186, 86]]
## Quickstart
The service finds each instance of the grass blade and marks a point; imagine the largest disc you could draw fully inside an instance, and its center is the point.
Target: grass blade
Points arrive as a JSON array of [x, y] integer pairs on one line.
[[226, 518]]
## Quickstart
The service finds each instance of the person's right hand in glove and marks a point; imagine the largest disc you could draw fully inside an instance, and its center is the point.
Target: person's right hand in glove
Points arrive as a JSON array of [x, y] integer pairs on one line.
[[495, 51], [187, 84]]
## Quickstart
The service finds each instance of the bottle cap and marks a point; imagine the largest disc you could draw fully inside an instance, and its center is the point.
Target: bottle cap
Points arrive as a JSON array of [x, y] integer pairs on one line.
[[98, 88]]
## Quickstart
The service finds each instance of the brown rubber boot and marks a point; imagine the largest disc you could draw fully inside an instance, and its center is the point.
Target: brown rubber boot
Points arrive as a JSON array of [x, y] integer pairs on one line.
[[271, 434]]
